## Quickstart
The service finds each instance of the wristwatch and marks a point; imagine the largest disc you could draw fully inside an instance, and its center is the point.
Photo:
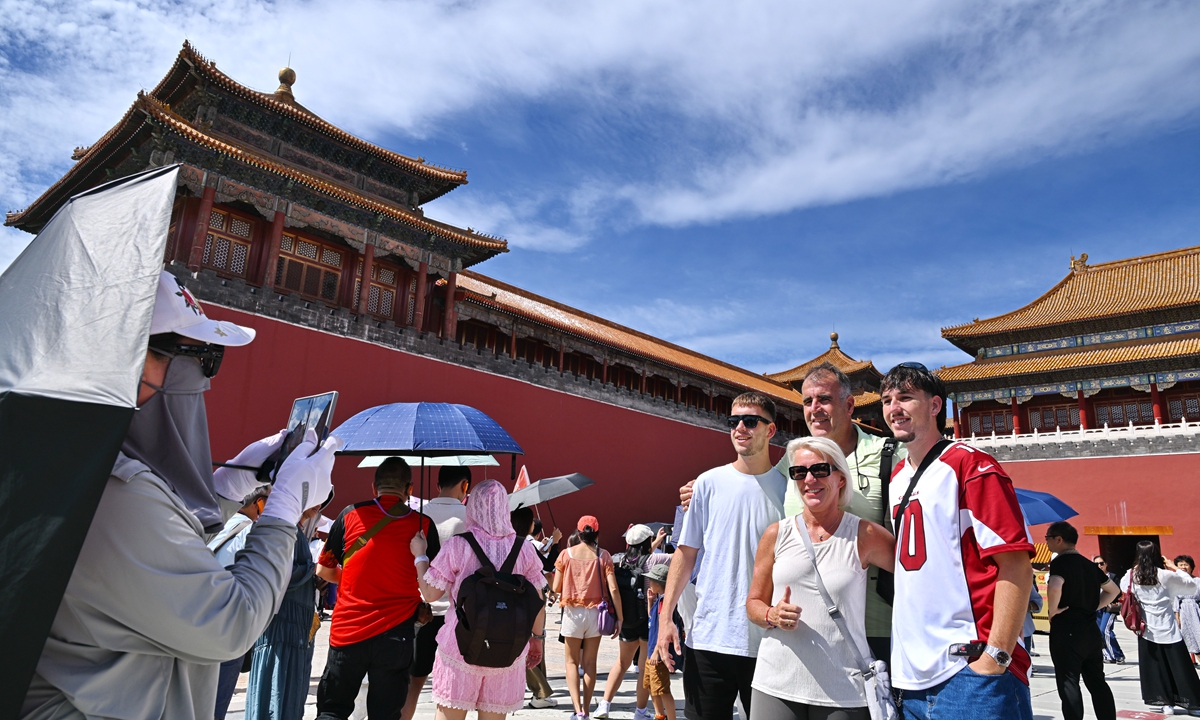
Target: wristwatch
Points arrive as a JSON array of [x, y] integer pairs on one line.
[[1002, 658]]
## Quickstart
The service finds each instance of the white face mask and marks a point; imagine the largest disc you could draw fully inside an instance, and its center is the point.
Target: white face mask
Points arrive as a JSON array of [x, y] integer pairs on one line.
[[169, 433]]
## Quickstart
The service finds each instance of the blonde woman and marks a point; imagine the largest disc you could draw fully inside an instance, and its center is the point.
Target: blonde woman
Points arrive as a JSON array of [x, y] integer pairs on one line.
[[805, 670]]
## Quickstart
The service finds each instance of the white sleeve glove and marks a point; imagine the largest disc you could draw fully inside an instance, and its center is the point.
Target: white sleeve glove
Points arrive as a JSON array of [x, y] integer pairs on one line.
[[303, 482], [234, 484]]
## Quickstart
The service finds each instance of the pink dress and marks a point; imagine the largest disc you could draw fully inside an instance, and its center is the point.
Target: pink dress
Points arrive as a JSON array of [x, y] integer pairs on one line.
[[457, 684]]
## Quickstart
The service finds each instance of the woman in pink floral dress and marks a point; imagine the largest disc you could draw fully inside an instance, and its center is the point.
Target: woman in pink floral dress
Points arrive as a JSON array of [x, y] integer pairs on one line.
[[458, 686]]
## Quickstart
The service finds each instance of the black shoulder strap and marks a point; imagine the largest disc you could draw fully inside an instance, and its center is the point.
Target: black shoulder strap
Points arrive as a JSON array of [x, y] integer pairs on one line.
[[886, 460], [934, 453], [510, 562], [479, 553]]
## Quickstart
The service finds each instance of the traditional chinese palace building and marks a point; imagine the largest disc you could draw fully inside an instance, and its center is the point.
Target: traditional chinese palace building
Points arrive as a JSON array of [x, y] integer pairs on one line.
[[1092, 392], [319, 240], [864, 383]]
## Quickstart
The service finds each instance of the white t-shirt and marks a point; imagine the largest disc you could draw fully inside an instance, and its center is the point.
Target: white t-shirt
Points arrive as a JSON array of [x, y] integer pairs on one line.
[[728, 515], [1158, 603], [961, 513], [450, 518]]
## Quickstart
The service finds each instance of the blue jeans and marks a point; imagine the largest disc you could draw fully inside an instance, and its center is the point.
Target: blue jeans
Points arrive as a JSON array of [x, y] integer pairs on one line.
[[970, 696]]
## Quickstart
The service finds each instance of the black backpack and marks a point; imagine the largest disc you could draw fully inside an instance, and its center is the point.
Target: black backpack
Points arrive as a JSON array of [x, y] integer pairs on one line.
[[496, 610], [633, 589]]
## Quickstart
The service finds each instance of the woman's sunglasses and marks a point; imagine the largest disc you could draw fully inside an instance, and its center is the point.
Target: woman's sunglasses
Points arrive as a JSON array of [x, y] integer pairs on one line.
[[820, 470]]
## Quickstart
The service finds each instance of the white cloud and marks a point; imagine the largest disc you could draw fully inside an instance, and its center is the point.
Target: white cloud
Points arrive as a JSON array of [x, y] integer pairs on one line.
[[763, 107]]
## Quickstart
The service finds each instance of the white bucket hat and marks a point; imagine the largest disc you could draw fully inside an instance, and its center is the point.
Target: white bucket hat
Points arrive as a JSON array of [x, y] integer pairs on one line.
[[177, 311]]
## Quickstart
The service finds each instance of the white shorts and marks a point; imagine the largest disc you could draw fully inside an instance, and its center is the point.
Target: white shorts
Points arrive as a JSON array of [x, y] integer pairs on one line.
[[580, 622]]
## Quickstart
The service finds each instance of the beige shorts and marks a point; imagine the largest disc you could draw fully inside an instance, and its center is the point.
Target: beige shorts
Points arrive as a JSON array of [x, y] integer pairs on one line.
[[580, 622]]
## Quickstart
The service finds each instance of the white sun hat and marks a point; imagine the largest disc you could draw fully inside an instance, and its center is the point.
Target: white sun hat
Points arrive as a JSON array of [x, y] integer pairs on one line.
[[177, 311]]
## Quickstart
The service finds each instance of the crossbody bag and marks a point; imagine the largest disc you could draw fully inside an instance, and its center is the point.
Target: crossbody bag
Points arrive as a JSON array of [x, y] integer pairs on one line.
[[876, 683]]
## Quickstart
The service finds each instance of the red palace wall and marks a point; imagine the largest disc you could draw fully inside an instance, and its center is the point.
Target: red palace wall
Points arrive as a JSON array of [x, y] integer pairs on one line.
[[1155, 490], [637, 460]]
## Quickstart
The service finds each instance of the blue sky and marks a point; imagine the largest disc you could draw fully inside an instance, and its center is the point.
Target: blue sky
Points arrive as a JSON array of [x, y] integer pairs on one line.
[[740, 179]]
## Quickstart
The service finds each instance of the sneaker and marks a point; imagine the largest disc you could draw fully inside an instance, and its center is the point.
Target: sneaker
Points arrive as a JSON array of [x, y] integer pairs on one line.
[[1194, 712], [1167, 710], [602, 707], [542, 703], [643, 713]]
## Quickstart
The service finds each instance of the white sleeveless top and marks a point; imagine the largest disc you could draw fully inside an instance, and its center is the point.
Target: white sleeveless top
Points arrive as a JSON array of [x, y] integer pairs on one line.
[[812, 664]]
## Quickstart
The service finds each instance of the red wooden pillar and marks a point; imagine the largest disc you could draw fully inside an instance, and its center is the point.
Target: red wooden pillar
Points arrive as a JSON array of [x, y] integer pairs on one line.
[[643, 381], [274, 240], [1016, 413], [1083, 409], [957, 421], [1156, 402], [364, 290], [710, 399], [196, 256], [561, 349], [450, 321], [604, 376], [679, 391], [419, 312], [512, 345]]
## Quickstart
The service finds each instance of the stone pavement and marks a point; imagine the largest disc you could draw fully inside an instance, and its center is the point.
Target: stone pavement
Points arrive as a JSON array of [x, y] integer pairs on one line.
[[1123, 679]]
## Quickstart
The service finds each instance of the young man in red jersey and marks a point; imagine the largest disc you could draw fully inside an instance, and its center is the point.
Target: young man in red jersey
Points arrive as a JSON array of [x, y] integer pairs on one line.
[[372, 629], [962, 566]]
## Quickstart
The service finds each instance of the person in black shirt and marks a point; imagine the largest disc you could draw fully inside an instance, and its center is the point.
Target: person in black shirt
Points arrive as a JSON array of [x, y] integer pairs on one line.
[[1077, 588]]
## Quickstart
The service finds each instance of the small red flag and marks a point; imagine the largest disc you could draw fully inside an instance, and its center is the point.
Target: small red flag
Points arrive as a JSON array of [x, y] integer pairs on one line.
[[522, 479]]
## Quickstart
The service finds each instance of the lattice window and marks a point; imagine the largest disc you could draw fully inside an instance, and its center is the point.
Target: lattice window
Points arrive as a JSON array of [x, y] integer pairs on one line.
[[303, 268], [228, 251], [412, 300], [1054, 417], [1136, 411], [985, 423], [307, 250], [373, 299], [387, 277], [239, 227], [1181, 406], [382, 291]]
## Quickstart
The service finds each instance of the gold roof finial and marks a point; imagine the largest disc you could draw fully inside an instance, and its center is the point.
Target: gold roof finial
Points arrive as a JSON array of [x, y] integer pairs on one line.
[[1079, 265], [833, 337], [287, 78]]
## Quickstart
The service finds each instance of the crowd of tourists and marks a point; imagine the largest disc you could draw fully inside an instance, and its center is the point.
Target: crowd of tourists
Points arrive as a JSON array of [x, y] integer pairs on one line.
[[860, 577]]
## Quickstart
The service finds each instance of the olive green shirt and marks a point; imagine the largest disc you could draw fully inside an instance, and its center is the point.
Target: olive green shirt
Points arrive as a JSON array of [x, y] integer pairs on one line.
[[868, 500]]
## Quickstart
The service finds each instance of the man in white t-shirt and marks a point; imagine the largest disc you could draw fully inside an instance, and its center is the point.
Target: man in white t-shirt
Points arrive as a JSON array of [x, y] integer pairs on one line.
[[962, 566], [450, 516], [731, 507]]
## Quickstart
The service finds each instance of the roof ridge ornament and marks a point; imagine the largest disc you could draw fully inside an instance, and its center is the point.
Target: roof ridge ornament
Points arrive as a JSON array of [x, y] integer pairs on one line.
[[287, 78], [1080, 265], [833, 341]]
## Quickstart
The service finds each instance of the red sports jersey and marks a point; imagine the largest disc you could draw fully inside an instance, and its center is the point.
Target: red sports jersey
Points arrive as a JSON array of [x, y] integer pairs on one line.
[[962, 511]]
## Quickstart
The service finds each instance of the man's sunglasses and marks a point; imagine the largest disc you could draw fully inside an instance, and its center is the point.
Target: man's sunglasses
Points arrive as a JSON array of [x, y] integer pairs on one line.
[[914, 366], [210, 356], [750, 421], [820, 470]]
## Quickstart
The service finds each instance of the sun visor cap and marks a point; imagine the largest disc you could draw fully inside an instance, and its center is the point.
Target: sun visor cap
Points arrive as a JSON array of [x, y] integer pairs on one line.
[[177, 311]]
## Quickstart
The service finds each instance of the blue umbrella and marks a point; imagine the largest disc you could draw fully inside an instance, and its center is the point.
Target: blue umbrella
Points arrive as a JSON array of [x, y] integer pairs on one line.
[[426, 429], [1041, 508]]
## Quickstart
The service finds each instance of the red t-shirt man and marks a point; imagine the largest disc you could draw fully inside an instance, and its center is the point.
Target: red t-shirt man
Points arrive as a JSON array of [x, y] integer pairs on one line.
[[378, 588], [372, 633]]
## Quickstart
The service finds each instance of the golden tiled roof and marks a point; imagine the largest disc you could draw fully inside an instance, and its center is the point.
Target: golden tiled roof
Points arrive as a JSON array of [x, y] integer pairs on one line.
[[1123, 287], [833, 355], [864, 399], [1155, 349], [150, 107], [300, 114], [515, 301]]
